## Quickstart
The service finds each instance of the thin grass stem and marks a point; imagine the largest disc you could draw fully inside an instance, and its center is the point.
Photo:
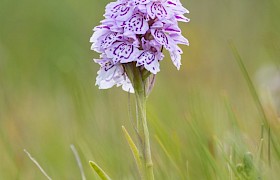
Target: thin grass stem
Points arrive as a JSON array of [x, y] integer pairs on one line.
[[75, 152], [37, 164]]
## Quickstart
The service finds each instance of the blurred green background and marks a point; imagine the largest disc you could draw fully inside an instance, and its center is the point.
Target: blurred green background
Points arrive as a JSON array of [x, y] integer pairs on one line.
[[48, 99]]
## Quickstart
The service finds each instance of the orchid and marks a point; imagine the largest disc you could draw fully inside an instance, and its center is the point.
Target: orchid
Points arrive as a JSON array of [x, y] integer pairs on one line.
[[130, 41], [135, 32]]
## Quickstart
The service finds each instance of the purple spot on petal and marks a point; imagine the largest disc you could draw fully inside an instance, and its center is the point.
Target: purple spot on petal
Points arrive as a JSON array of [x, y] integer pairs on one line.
[[162, 38], [169, 2], [158, 10], [137, 24], [173, 30], [147, 57], [123, 51], [108, 66]]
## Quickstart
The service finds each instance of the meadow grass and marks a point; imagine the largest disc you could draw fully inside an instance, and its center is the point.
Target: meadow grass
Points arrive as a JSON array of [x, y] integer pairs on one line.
[[210, 120]]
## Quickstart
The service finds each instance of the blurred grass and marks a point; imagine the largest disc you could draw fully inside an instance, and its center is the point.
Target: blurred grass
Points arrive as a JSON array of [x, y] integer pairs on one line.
[[48, 99]]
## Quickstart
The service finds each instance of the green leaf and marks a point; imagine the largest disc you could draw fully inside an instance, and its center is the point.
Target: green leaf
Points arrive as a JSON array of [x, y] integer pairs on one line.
[[99, 171], [133, 149]]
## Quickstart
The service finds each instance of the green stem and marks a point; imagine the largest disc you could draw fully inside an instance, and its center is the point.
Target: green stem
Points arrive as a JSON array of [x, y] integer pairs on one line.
[[138, 81], [141, 107]]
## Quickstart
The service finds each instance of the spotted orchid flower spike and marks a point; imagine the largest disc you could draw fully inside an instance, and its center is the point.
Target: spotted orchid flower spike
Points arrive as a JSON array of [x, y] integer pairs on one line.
[[133, 35], [130, 41]]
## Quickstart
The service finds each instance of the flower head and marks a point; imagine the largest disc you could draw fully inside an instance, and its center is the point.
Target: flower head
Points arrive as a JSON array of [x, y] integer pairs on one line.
[[136, 31]]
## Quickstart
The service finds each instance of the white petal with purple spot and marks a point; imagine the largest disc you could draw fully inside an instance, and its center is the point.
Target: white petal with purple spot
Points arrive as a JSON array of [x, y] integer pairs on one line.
[[163, 39], [176, 57], [179, 39], [119, 11], [108, 75], [149, 60], [109, 39], [182, 18], [137, 2], [157, 9], [122, 52], [136, 24]]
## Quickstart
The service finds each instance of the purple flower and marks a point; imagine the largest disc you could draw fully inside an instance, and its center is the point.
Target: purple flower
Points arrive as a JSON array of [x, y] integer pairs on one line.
[[122, 52], [111, 74], [136, 31]]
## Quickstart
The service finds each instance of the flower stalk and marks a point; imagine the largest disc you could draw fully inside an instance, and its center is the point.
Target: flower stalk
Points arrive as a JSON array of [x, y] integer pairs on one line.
[[138, 80]]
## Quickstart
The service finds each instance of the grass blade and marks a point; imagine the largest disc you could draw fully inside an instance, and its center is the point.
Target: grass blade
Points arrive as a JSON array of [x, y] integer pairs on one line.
[[169, 156], [255, 98], [134, 150], [37, 164], [230, 164], [249, 83], [99, 171], [75, 152]]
